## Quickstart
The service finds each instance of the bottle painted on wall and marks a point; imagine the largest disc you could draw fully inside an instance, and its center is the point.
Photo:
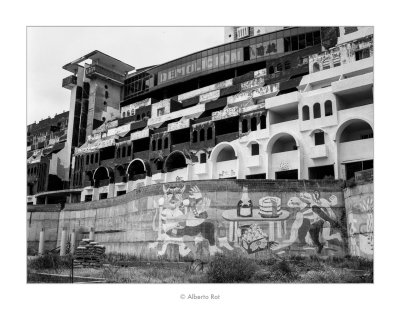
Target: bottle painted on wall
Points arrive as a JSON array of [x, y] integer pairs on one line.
[[245, 205]]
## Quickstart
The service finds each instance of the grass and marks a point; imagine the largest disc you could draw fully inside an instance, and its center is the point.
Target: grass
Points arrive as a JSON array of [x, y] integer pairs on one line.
[[235, 268]]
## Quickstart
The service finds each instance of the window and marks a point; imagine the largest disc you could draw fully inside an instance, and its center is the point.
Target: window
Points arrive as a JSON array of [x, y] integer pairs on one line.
[[87, 159], [279, 67], [317, 110], [319, 138], [317, 38], [202, 134], [153, 145], [302, 41], [106, 94], [166, 143], [367, 136], [118, 152], [306, 113], [209, 133], [255, 149], [105, 86], [254, 124], [123, 114], [143, 115], [263, 121], [123, 151], [309, 39], [194, 136], [287, 65], [160, 111], [244, 126], [271, 70], [129, 151], [96, 158], [203, 158], [328, 108], [128, 113], [362, 54], [316, 67], [92, 158]]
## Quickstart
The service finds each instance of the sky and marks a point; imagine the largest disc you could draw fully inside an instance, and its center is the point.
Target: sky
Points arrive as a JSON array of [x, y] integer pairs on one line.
[[49, 48]]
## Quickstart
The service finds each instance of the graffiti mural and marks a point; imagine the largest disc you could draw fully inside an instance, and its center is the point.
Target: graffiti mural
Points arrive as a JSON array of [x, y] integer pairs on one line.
[[184, 221], [361, 227]]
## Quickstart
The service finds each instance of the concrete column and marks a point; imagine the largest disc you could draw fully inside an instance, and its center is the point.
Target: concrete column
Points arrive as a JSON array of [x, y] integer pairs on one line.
[[41, 242], [45, 200], [111, 189], [91, 233], [72, 242], [63, 246]]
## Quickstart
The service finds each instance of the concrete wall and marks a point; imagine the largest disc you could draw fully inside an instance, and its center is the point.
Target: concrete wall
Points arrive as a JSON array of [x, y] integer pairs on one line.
[[359, 201], [131, 223]]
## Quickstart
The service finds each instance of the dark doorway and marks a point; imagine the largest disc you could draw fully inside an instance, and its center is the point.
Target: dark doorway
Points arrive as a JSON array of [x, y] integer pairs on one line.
[[119, 193], [103, 196], [256, 176], [321, 172], [88, 197], [287, 175]]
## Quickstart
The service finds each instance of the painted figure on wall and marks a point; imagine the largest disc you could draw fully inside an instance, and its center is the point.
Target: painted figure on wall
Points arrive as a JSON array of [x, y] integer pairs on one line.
[[184, 221], [313, 222]]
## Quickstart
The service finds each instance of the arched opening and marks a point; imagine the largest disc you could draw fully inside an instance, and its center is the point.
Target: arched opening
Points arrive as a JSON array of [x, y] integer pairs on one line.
[[102, 177], [129, 152], [355, 147], [263, 121], [202, 134], [227, 153], [120, 174], [166, 143], [316, 67], [317, 110], [278, 67], [153, 145], [137, 170], [159, 144], [118, 152], [328, 108], [271, 70], [194, 139], [123, 114], [306, 113], [176, 160], [209, 133], [244, 126], [128, 113], [254, 124], [123, 151], [96, 158], [283, 156], [87, 159]]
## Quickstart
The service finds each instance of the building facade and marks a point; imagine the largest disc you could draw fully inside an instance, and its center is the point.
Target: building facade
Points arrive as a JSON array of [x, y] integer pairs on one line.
[[294, 103]]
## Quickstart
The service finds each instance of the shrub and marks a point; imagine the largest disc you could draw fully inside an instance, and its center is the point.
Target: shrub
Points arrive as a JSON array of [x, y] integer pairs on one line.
[[231, 268], [49, 261]]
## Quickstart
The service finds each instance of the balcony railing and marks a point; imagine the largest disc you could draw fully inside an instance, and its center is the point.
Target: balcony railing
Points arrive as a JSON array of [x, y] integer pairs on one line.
[[69, 82], [97, 70]]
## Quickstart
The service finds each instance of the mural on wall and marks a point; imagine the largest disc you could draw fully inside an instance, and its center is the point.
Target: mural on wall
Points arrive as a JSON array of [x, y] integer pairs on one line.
[[361, 227], [304, 224], [184, 221]]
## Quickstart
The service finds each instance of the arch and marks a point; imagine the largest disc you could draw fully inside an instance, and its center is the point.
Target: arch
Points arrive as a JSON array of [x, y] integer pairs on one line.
[[263, 121], [328, 108], [209, 133], [244, 126], [362, 124], [194, 138], [136, 167], [279, 135], [202, 134], [249, 146], [159, 144], [220, 146], [253, 124], [103, 174], [306, 113], [175, 160], [316, 110], [346, 122]]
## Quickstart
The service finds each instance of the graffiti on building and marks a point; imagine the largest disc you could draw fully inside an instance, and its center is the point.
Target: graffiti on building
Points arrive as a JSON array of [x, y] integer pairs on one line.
[[316, 225], [361, 227], [184, 221]]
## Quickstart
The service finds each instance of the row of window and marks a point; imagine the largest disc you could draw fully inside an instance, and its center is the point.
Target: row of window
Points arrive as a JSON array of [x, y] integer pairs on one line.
[[124, 151], [200, 135], [88, 159], [253, 123], [317, 110], [157, 145], [138, 116]]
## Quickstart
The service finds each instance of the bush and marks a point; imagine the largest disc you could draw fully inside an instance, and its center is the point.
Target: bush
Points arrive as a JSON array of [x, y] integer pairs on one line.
[[330, 275], [231, 268], [49, 261]]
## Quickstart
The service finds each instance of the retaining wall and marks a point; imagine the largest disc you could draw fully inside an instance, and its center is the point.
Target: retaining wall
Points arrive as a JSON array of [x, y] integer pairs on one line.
[[199, 219]]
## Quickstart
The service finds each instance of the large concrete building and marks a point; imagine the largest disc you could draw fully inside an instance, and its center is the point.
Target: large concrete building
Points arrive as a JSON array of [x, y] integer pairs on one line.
[[284, 103]]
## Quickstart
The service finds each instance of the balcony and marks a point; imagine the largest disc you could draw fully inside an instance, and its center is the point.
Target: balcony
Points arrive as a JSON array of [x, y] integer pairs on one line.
[[319, 151], [200, 168], [99, 71], [253, 161], [227, 137], [158, 177], [69, 82]]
